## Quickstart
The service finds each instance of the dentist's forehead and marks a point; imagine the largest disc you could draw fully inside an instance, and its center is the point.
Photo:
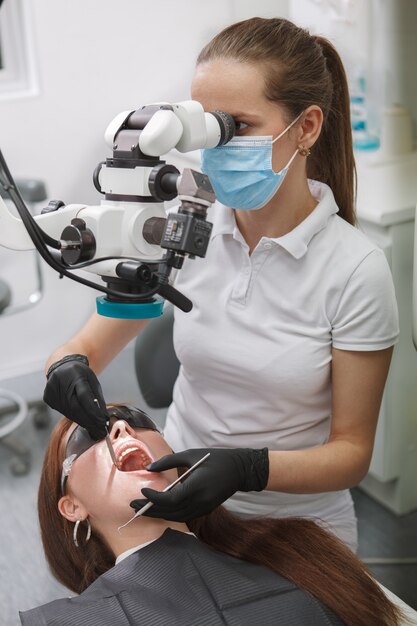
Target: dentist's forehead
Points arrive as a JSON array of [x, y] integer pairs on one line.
[[231, 83]]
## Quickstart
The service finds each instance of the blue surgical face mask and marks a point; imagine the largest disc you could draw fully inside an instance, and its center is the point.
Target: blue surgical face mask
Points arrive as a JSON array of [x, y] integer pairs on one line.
[[241, 171]]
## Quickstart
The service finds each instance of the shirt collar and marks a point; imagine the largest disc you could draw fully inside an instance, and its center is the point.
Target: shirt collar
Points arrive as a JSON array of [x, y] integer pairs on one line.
[[297, 240], [127, 553], [222, 218]]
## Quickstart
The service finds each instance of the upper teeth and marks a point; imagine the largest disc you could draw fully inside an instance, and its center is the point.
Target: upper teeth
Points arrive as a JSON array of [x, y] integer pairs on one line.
[[143, 456]]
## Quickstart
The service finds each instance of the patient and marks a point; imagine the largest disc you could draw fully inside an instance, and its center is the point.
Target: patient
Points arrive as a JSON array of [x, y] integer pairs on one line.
[[230, 571]]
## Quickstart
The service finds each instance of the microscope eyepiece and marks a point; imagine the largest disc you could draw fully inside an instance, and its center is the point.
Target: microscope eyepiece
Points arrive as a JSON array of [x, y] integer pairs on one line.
[[226, 124], [220, 128]]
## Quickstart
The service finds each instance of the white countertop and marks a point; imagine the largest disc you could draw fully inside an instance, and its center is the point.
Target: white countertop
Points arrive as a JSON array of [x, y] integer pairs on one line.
[[387, 187]]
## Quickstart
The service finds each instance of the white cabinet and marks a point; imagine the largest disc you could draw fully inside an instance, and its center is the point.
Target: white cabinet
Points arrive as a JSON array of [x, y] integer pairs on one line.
[[387, 195]]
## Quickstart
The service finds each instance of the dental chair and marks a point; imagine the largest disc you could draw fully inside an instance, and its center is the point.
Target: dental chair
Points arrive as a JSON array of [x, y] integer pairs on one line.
[[14, 409], [156, 363]]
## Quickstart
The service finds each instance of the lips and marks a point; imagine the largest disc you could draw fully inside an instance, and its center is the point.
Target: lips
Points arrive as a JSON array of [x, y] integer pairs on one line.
[[132, 456]]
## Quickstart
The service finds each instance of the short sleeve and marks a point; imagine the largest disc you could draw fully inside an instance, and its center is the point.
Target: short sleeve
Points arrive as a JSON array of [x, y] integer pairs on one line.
[[366, 317]]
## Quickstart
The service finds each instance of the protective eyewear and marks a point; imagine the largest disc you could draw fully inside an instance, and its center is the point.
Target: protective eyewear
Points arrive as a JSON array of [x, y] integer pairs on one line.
[[80, 440]]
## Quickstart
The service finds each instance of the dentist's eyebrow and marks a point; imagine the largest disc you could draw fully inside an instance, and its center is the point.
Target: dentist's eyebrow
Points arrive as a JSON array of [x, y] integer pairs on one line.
[[245, 115]]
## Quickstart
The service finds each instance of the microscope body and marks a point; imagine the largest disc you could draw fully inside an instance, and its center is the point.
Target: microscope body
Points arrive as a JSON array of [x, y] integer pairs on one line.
[[123, 238]]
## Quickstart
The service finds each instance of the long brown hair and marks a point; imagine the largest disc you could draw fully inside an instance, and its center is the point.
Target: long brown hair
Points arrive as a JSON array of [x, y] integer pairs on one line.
[[295, 548], [301, 70]]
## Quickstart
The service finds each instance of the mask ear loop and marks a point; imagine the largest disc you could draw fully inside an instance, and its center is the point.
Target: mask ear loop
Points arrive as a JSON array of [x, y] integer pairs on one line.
[[288, 128], [291, 160], [283, 133]]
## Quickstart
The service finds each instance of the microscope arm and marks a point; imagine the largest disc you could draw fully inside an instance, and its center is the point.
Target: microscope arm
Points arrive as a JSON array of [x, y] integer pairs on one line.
[[13, 234], [116, 228]]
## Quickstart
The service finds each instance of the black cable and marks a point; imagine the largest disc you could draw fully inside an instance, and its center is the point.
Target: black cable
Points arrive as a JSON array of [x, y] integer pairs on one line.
[[10, 186], [80, 266], [36, 234]]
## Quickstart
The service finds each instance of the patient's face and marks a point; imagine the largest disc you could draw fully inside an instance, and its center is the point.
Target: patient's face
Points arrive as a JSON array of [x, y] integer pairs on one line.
[[107, 491]]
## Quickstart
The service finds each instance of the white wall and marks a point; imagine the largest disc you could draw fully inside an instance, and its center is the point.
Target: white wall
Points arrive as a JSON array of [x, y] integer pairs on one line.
[[95, 58], [377, 36], [395, 52]]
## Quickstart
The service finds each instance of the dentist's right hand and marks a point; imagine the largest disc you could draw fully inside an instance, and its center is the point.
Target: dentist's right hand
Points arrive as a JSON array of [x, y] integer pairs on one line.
[[72, 388]]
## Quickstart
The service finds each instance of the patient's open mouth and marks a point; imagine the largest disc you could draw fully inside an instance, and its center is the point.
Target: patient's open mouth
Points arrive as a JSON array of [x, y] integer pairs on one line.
[[131, 457]]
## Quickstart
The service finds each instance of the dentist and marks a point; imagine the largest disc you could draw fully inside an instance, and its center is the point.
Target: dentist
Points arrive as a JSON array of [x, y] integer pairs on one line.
[[285, 355]]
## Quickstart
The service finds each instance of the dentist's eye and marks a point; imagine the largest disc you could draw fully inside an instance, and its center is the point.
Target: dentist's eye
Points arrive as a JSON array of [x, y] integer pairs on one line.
[[241, 126]]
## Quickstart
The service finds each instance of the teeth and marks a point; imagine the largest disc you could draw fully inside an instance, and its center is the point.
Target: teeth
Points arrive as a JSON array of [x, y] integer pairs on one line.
[[125, 453], [128, 451]]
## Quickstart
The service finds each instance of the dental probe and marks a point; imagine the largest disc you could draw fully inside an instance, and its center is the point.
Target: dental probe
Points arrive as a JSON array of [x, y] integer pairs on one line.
[[168, 488], [111, 449], [108, 441]]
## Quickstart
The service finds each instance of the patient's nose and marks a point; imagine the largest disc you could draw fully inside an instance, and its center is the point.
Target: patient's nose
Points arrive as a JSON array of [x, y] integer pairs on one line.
[[121, 428]]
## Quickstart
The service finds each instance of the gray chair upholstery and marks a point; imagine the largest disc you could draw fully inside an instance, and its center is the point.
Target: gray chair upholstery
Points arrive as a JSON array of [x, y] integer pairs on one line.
[[32, 190], [5, 296], [156, 363]]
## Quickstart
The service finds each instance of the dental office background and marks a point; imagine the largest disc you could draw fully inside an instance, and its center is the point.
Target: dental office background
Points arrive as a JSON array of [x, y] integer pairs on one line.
[[67, 68]]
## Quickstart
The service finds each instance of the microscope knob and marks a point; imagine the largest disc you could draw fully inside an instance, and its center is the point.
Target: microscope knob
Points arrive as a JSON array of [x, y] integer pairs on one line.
[[162, 182], [78, 243], [53, 205]]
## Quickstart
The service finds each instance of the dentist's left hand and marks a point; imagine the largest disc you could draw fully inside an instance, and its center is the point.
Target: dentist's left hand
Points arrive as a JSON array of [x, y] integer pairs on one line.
[[72, 388], [211, 483]]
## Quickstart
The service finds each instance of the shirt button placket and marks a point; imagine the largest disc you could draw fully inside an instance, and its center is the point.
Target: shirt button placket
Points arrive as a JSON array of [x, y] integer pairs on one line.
[[242, 283]]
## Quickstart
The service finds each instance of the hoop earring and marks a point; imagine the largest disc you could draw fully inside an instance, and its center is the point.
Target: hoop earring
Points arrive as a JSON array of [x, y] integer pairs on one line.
[[304, 151], [75, 532]]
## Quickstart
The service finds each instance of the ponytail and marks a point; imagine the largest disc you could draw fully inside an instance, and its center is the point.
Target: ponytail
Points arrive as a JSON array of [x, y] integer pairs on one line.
[[331, 160]]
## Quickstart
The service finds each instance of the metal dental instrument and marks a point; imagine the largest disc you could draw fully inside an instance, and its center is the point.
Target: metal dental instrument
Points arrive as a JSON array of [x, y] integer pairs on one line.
[[111, 449], [108, 441], [168, 488]]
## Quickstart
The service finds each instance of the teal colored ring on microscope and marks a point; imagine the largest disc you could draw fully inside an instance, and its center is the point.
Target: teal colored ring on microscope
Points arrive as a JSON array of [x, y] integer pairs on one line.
[[130, 311]]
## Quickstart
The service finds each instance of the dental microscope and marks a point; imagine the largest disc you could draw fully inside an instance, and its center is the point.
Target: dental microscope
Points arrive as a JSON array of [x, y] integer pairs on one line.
[[129, 240]]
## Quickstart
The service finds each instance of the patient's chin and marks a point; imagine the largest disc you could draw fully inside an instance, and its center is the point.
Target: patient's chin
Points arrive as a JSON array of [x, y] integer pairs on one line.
[[137, 480]]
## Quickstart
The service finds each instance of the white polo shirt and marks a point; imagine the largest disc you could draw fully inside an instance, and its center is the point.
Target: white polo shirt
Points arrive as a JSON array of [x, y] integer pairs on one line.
[[255, 350]]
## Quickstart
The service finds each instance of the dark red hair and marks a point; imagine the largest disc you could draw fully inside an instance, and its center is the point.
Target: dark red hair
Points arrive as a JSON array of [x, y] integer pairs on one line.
[[295, 548]]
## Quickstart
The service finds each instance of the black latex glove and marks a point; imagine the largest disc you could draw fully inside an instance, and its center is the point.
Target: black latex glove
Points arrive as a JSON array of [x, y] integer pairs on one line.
[[71, 389], [211, 483]]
